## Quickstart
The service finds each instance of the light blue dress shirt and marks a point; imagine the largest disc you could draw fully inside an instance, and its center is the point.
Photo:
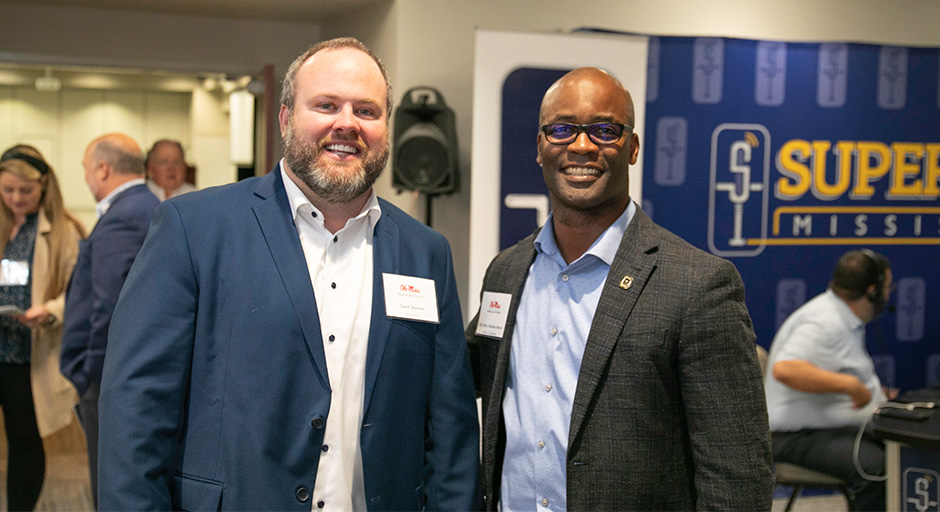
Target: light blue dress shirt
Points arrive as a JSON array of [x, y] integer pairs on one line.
[[552, 326]]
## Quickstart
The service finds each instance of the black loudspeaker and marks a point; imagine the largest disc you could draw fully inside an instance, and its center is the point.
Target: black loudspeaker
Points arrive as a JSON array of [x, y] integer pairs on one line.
[[425, 154]]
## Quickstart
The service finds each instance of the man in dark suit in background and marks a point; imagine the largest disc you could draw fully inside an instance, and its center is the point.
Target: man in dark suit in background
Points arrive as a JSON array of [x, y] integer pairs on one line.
[[114, 171], [623, 373], [292, 342]]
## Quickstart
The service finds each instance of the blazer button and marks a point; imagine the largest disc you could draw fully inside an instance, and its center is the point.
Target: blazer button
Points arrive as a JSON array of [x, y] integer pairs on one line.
[[317, 422], [302, 494]]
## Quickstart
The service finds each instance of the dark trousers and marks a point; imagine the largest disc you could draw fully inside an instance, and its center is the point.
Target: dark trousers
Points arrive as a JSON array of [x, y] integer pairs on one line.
[[26, 467], [87, 411], [830, 451]]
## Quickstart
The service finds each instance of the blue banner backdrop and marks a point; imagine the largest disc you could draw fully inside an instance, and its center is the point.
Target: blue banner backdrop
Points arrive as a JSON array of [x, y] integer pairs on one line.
[[782, 156]]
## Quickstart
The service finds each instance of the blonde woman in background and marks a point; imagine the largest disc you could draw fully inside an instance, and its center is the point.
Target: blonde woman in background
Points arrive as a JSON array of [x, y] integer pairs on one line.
[[39, 244]]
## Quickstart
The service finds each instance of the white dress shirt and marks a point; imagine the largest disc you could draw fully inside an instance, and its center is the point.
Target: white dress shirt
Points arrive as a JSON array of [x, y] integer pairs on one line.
[[340, 266]]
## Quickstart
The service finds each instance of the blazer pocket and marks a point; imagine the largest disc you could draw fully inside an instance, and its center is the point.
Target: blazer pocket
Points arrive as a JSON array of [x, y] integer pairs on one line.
[[196, 494], [415, 336]]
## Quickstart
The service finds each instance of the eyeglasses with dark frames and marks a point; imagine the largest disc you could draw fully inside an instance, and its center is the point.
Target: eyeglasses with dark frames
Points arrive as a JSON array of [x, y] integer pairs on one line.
[[599, 133]]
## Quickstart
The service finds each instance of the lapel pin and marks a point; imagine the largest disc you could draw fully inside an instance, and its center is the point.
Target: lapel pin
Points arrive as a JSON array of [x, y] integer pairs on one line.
[[626, 282]]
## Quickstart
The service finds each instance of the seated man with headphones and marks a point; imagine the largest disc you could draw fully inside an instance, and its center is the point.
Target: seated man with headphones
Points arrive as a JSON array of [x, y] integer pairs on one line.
[[821, 385]]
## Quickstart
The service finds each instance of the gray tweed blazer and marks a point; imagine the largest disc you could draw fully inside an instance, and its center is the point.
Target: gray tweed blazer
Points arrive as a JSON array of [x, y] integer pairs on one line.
[[669, 411]]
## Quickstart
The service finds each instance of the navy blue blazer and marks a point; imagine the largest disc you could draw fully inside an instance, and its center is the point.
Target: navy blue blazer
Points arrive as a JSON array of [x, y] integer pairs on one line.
[[104, 259], [215, 390]]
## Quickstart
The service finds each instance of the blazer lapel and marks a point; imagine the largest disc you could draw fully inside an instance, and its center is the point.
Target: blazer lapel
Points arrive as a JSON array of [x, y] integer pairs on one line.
[[276, 222], [511, 280], [629, 273], [386, 246]]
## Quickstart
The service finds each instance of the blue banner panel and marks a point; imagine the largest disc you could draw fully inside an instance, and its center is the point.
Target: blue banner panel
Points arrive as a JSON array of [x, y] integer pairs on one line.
[[782, 156]]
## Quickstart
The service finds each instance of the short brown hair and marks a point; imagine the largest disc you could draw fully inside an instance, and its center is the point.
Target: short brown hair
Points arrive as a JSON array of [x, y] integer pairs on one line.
[[288, 92]]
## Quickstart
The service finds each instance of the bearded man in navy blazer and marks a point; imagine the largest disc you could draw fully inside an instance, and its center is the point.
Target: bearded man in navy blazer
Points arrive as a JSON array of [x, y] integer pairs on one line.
[[292, 342], [114, 171]]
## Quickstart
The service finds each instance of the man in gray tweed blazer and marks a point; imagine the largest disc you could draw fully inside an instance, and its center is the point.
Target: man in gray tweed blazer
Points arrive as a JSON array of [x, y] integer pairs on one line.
[[616, 362]]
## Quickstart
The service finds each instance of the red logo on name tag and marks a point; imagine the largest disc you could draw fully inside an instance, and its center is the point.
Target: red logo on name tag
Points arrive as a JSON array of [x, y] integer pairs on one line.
[[409, 288]]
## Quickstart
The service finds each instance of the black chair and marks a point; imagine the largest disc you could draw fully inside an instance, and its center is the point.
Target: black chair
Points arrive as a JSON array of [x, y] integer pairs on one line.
[[798, 477]]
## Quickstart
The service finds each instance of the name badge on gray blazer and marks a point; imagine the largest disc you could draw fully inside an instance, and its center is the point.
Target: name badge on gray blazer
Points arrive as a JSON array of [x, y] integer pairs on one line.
[[494, 309]]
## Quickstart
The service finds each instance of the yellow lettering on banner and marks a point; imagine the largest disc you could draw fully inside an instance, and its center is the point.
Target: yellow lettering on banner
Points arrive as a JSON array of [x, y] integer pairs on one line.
[[843, 153], [903, 168], [866, 171], [790, 163], [932, 170]]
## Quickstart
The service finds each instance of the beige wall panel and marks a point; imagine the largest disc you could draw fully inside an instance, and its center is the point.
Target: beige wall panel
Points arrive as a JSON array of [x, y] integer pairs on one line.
[[82, 121], [167, 117], [7, 135], [124, 113], [210, 156]]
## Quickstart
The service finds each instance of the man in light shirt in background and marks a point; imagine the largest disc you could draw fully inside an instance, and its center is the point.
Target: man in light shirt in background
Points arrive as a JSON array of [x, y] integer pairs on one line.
[[821, 383]]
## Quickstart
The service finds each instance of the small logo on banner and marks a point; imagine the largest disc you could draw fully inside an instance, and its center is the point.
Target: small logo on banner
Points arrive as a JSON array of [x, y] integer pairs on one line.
[[912, 301], [652, 71], [708, 70], [738, 189], [885, 369], [671, 144], [791, 294], [933, 370], [832, 79], [892, 77], [920, 490], [770, 87]]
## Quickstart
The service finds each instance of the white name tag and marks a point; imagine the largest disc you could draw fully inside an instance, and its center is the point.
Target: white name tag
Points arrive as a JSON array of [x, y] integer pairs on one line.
[[14, 273], [411, 298], [493, 312]]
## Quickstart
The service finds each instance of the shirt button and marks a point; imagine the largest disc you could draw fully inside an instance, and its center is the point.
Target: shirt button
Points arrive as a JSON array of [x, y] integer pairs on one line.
[[548, 387], [564, 277], [302, 494], [544, 502], [320, 504], [554, 331], [333, 285], [332, 338], [325, 448], [314, 214], [541, 444], [335, 239]]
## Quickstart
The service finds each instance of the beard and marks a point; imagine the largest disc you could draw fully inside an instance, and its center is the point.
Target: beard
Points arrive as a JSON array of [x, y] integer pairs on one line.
[[334, 182]]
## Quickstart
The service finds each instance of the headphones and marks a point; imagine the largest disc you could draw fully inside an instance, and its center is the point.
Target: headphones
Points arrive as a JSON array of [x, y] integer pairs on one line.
[[876, 276]]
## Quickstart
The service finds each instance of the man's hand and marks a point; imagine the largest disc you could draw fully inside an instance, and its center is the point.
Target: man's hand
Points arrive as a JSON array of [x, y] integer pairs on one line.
[[859, 394]]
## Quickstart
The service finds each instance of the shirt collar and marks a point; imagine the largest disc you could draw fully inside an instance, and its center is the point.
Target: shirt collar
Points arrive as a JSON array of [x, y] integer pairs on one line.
[[848, 316], [604, 248], [105, 204], [299, 203]]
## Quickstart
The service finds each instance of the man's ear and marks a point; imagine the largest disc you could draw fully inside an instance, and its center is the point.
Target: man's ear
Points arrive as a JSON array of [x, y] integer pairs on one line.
[[538, 145], [103, 171], [634, 147], [283, 118]]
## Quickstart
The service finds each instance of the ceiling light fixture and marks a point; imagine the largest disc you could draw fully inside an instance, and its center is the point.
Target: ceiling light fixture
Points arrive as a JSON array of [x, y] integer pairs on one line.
[[48, 83]]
